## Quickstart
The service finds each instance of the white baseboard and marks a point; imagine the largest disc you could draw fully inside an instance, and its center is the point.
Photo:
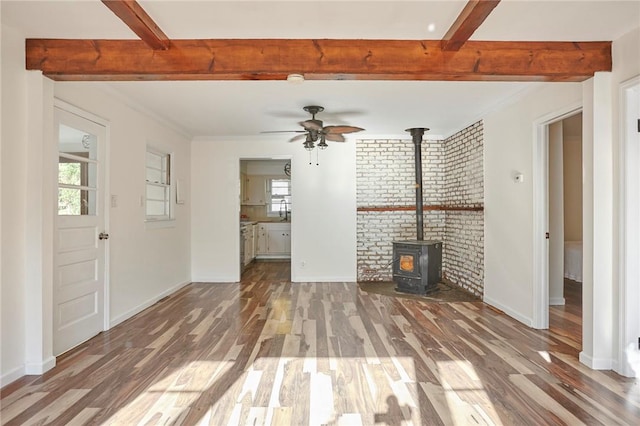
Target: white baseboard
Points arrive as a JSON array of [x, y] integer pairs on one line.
[[595, 363], [625, 369], [11, 376], [513, 314], [141, 307], [273, 257], [214, 279], [556, 301], [311, 279], [40, 367]]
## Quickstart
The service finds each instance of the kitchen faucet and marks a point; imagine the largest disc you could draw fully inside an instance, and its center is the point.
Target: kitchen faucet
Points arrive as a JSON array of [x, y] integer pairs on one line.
[[283, 203]]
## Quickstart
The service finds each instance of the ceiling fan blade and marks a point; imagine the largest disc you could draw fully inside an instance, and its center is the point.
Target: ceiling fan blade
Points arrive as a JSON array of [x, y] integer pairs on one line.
[[298, 138], [311, 125], [334, 137], [284, 131], [341, 129]]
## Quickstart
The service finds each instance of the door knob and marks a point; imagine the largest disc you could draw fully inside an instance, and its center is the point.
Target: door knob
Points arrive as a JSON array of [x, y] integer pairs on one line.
[[103, 236]]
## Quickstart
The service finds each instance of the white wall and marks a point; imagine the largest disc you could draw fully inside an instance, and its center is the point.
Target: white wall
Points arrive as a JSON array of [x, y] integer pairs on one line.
[[323, 226], [262, 167], [14, 149], [508, 134], [509, 209], [626, 60], [146, 261], [572, 167]]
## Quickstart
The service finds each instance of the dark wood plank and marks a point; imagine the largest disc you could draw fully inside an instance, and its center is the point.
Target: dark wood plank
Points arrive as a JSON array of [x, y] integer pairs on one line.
[[274, 59], [425, 207], [471, 17], [136, 18]]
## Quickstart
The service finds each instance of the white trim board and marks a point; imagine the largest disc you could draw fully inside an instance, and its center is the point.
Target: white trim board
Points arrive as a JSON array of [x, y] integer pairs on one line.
[[540, 296], [627, 361], [12, 376], [310, 279], [40, 367], [508, 311]]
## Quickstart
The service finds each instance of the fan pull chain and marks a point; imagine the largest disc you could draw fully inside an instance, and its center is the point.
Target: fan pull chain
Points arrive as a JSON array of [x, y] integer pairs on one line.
[[309, 157], [317, 154]]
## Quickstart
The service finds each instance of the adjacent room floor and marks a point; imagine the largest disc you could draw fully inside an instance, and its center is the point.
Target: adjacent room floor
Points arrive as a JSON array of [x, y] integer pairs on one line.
[[267, 351]]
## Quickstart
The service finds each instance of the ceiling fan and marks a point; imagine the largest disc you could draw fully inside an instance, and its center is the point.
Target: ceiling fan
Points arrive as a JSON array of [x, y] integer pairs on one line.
[[315, 130]]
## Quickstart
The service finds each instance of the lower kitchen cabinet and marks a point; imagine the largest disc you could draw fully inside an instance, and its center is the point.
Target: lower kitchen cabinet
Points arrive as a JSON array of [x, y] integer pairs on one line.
[[274, 240]]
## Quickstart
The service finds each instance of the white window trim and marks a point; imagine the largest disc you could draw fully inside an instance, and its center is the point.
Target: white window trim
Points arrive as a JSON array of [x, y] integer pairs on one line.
[[164, 220], [269, 197]]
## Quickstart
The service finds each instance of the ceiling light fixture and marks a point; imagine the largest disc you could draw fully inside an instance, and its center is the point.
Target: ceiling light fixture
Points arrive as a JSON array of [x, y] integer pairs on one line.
[[295, 78]]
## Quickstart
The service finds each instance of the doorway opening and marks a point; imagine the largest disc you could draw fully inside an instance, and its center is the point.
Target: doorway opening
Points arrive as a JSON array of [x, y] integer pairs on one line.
[[565, 226], [266, 213]]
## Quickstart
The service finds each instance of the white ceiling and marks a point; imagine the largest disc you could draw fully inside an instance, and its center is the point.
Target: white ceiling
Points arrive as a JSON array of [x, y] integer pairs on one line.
[[244, 108]]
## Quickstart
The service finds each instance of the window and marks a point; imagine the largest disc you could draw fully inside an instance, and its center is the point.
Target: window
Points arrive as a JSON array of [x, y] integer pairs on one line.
[[76, 194], [279, 191], [77, 172], [158, 186]]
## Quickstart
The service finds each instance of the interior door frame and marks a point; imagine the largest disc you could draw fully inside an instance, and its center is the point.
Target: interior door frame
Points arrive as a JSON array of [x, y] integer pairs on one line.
[[240, 159], [104, 163], [629, 272], [540, 317]]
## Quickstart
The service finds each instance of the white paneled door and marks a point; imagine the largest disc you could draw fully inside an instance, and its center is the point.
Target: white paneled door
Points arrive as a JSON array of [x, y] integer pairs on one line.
[[79, 281]]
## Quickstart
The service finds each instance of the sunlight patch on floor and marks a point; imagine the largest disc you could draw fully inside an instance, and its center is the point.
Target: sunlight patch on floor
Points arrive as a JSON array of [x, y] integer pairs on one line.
[[165, 400], [274, 391], [466, 400], [545, 355]]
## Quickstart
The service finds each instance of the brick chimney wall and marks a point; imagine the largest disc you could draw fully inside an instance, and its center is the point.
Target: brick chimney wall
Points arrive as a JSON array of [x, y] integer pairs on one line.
[[452, 176]]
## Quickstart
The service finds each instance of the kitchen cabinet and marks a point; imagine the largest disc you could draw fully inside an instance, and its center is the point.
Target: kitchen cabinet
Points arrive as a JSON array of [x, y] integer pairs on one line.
[[254, 190], [262, 240], [248, 240], [279, 241], [274, 240]]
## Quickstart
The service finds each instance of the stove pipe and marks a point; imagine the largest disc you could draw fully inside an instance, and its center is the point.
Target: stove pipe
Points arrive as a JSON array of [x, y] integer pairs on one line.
[[417, 133]]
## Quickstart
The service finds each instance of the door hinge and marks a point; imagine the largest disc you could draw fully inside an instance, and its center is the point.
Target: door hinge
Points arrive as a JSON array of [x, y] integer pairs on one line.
[[546, 235]]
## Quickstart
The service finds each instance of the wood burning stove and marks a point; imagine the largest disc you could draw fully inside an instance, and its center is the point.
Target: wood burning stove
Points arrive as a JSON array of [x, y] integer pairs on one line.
[[417, 264]]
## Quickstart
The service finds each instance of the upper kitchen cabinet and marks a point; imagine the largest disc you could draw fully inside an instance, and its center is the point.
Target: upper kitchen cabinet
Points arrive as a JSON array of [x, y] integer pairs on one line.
[[254, 190]]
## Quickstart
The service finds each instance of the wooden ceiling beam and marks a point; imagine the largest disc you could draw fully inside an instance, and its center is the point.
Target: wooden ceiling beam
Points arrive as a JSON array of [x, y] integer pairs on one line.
[[471, 17], [135, 17], [274, 59]]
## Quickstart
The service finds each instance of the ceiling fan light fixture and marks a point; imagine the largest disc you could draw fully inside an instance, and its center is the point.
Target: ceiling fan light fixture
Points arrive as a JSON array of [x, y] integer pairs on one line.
[[309, 145], [323, 143], [295, 78]]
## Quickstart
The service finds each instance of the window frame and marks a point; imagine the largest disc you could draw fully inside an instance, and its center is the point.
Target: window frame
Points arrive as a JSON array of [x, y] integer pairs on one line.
[[166, 183], [86, 190], [271, 198]]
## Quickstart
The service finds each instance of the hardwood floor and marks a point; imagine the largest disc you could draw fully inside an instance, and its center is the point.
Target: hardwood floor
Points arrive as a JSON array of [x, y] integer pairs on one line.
[[267, 351], [566, 320]]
